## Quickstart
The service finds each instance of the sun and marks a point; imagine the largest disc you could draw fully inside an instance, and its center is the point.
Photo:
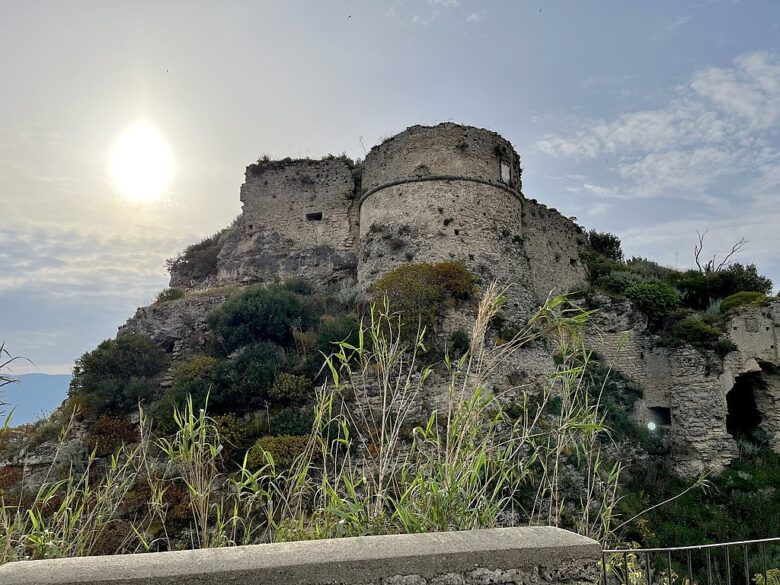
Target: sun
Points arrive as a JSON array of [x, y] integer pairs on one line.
[[140, 163]]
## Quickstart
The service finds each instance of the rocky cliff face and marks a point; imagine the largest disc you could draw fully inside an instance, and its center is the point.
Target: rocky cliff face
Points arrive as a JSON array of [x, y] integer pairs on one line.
[[686, 391]]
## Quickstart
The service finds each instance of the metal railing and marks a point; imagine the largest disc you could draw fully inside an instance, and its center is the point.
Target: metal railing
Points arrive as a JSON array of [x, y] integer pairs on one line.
[[713, 564]]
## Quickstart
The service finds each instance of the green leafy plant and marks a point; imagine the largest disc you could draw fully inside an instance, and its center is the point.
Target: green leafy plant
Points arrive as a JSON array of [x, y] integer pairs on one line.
[[696, 332], [618, 282], [459, 343], [261, 313], [280, 451], [118, 374], [741, 298], [654, 299], [606, 245], [169, 294], [425, 291], [291, 389]]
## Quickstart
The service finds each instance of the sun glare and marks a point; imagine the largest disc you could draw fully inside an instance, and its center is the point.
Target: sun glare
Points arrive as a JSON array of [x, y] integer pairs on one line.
[[140, 163]]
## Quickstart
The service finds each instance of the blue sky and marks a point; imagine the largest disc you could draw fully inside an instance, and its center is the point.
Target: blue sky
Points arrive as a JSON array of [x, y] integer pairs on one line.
[[647, 119]]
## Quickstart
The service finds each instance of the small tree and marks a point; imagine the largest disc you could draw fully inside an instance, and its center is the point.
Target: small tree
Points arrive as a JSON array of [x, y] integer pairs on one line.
[[606, 244]]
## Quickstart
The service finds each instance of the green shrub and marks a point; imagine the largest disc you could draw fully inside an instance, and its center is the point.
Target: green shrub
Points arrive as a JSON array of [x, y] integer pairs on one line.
[[292, 389], [242, 382], [283, 450], [335, 329], [741, 298], [235, 435], [654, 299], [598, 266], [261, 314], [191, 378], [696, 332], [292, 421], [299, 286], [699, 289], [649, 270], [198, 261], [110, 433], [425, 291], [118, 374], [459, 343], [723, 347], [618, 282], [605, 244], [169, 294]]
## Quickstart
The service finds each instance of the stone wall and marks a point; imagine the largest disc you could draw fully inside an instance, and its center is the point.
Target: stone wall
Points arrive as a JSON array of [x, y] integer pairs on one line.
[[552, 243], [527, 556], [311, 203], [299, 220], [445, 149], [694, 385]]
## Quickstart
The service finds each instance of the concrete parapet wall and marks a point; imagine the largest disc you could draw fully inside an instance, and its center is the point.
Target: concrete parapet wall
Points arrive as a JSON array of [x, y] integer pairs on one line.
[[538, 555]]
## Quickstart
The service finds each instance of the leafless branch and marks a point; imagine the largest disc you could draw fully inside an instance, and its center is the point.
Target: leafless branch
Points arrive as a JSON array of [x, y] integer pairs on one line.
[[734, 250], [710, 265], [697, 249]]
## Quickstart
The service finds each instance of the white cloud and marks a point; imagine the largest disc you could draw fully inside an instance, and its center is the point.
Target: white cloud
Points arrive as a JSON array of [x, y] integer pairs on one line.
[[475, 16], [686, 147], [713, 142], [749, 90], [443, 3]]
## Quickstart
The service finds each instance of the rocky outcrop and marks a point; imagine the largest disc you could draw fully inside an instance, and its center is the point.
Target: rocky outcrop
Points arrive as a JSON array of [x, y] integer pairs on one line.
[[266, 256], [179, 327], [686, 390]]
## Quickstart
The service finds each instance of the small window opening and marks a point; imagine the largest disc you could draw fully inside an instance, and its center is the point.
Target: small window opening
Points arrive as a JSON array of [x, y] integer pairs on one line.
[[661, 416], [251, 226], [573, 261], [506, 172], [457, 232], [317, 216]]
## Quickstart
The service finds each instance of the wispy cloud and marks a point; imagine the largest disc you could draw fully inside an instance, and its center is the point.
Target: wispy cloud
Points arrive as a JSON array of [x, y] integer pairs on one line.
[[678, 22], [475, 16], [713, 142]]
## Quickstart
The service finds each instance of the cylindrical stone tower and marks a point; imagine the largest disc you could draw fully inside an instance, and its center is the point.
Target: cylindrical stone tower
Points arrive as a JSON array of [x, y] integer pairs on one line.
[[439, 194]]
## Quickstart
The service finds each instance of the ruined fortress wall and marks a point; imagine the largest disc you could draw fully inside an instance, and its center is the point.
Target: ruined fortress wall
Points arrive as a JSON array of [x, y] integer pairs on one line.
[[755, 330], [446, 149], [299, 221], [552, 243], [308, 203], [435, 194]]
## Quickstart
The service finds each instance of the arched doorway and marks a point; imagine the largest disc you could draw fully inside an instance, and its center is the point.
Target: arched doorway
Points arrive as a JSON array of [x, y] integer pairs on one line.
[[744, 417]]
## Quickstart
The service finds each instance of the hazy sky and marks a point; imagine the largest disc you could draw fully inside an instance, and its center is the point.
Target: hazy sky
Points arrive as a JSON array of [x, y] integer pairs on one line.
[[647, 119]]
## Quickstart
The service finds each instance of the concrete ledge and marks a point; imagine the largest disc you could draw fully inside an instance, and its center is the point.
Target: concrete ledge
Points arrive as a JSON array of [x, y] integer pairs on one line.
[[369, 559]]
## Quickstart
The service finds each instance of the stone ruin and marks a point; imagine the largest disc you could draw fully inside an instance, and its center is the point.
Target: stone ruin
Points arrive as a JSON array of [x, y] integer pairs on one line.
[[454, 193]]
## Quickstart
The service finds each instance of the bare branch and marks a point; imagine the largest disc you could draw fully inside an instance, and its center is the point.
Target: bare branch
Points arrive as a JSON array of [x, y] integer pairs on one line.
[[734, 250], [712, 265], [697, 249]]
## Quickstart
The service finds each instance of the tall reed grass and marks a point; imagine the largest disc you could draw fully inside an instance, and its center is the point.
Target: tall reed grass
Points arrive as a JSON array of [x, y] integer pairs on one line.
[[376, 460]]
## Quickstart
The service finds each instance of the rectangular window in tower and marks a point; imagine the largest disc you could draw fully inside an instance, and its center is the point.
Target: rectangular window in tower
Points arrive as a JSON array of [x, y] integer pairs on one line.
[[506, 172], [314, 216]]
